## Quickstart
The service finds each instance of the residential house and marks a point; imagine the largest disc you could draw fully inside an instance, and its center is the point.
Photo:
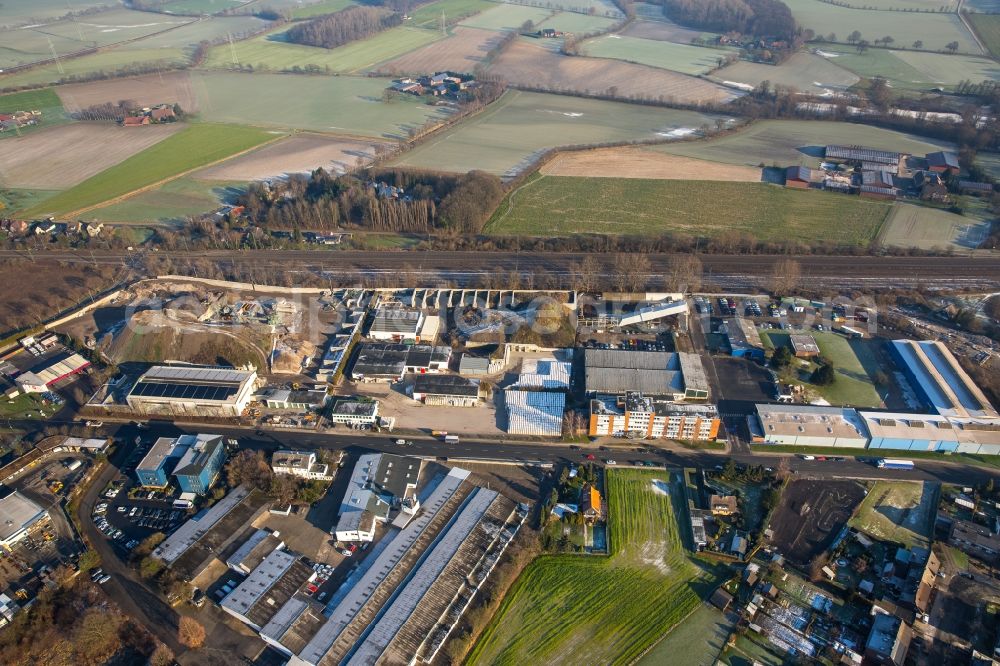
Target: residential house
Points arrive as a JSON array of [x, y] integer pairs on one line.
[[590, 503], [302, 464], [888, 641], [162, 114], [975, 540], [723, 505], [930, 186]]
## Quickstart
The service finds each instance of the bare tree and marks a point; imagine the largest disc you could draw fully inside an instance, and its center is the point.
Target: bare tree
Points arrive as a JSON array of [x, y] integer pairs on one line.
[[631, 271], [786, 276], [683, 273], [190, 633], [585, 274]]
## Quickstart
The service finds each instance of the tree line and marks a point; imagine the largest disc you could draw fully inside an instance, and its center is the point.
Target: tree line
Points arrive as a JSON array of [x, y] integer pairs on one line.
[[759, 18], [345, 26]]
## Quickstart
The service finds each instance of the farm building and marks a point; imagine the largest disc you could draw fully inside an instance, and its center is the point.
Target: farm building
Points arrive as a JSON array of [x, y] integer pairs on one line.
[[380, 362], [930, 186], [252, 552], [972, 187], [355, 412], [800, 177], [19, 516], [639, 416], [808, 425], [52, 371], [878, 192], [803, 346], [744, 340], [544, 373], [268, 587], [396, 324], [534, 412], [862, 154], [136, 121], [942, 161], [473, 365], [302, 464], [301, 401], [379, 482], [447, 390], [675, 376], [200, 464], [939, 380], [192, 390]]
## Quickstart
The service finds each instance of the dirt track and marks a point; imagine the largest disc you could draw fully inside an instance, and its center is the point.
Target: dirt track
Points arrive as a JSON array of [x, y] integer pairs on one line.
[[639, 163]]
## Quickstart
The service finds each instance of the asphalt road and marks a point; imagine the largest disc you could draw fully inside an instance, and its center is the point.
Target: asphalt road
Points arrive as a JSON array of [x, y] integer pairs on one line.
[[463, 267]]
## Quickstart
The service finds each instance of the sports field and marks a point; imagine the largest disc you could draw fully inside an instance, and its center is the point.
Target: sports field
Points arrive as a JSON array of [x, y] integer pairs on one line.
[[507, 17], [44, 100], [340, 104], [788, 142], [987, 26], [107, 61], [168, 204], [933, 229], [802, 71], [558, 205], [505, 137], [603, 610], [913, 70], [191, 148], [853, 361], [899, 511], [933, 29], [681, 58], [272, 52]]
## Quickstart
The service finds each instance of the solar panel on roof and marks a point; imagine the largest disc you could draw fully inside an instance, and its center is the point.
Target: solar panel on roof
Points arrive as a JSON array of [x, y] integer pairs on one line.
[[183, 391]]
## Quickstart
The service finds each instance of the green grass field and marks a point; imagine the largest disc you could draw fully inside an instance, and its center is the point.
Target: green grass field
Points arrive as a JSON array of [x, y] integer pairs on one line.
[[44, 100], [803, 71], [200, 6], [665, 55], [787, 142], [577, 24], [106, 61], [195, 146], [603, 610], [24, 12], [271, 52], [900, 511], [18, 199], [987, 26], [697, 641], [502, 138], [339, 104], [854, 362], [932, 228], [168, 204], [934, 30], [429, 15], [557, 205], [507, 17], [191, 34], [319, 8], [914, 70]]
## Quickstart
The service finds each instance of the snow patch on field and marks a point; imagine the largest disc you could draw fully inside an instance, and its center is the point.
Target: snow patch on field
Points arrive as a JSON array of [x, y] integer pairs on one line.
[[826, 54], [660, 487], [737, 84], [678, 132]]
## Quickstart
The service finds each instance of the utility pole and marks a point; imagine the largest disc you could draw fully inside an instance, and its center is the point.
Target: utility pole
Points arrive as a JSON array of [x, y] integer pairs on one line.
[[55, 55], [232, 48]]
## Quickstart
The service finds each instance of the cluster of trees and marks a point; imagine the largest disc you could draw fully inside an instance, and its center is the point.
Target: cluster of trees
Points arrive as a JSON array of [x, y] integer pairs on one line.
[[345, 26], [253, 469], [758, 18]]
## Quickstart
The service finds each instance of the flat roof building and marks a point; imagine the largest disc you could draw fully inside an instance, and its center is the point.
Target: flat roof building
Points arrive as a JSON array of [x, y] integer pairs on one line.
[[379, 362], [192, 390], [378, 482], [302, 464], [744, 339], [355, 412], [18, 516], [252, 552], [544, 373], [200, 464], [473, 365], [809, 425], [298, 400], [534, 412], [939, 380], [52, 371], [268, 587], [803, 346], [671, 375], [447, 390], [396, 324], [635, 415], [154, 470]]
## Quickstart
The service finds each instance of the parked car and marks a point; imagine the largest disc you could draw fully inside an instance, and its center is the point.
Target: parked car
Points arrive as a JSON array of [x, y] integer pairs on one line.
[[104, 579], [345, 552], [609, 461]]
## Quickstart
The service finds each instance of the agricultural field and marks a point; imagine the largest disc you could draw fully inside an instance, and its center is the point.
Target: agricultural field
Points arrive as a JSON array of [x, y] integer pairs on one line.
[[44, 100], [24, 12], [305, 9], [526, 63], [429, 15], [272, 52], [661, 29], [191, 34], [64, 156], [506, 17], [169, 88], [606, 610], [913, 70], [199, 6], [899, 511], [788, 142], [802, 535], [168, 204], [855, 364], [558, 205], [987, 26], [989, 162], [111, 61], [195, 146], [345, 105], [933, 29], [932, 228], [301, 153], [504, 138], [461, 51], [681, 58], [576, 24], [634, 162], [803, 71]]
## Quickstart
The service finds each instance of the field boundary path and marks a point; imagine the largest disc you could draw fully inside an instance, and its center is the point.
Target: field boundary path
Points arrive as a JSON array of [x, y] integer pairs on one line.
[[164, 181], [972, 31], [510, 197]]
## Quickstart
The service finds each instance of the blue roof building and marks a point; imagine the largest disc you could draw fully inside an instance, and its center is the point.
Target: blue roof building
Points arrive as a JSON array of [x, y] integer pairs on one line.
[[155, 468], [201, 463]]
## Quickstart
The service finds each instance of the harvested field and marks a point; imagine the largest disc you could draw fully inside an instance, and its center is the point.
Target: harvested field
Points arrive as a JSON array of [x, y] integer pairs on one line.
[[460, 52], [640, 163], [932, 228], [803, 71], [301, 153], [171, 88], [811, 515], [662, 30], [534, 66], [63, 156]]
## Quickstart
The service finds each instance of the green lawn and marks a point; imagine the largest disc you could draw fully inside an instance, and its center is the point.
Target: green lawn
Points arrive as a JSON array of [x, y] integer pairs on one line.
[[24, 12], [987, 26], [341, 104], [788, 142], [853, 361], [272, 52], [900, 511], [556, 205], [507, 17], [697, 641], [929, 228], [18, 199], [170, 203], [682, 58], [603, 610], [578, 24], [44, 100], [22, 406], [320, 8], [429, 15], [195, 146], [200, 6]]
